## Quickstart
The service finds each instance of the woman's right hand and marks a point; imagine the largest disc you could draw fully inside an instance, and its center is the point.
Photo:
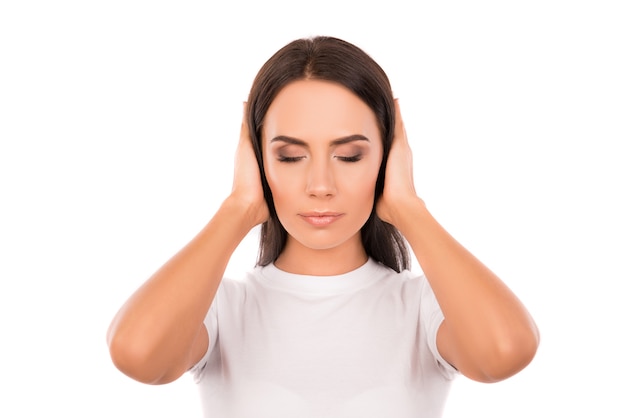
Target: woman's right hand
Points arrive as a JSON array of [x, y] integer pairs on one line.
[[247, 187], [155, 337]]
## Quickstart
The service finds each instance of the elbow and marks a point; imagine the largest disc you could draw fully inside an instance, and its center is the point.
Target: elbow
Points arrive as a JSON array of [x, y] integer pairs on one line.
[[509, 356], [130, 358], [136, 359]]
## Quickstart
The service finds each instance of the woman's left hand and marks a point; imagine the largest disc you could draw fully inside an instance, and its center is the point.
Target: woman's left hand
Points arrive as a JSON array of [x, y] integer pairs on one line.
[[399, 189], [487, 334]]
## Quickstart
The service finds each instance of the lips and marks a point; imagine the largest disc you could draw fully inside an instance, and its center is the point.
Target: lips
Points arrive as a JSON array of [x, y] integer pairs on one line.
[[320, 218]]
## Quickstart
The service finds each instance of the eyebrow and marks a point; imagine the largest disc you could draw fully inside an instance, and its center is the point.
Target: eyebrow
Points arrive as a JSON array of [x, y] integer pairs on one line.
[[338, 141]]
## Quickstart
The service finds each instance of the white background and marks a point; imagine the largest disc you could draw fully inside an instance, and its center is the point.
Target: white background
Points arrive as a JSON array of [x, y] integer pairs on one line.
[[118, 124]]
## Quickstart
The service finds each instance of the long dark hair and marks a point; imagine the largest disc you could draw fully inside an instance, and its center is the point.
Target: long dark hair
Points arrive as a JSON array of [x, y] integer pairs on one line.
[[331, 59]]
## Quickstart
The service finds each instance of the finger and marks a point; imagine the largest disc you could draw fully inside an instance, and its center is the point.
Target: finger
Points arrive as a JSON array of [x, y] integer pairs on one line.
[[399, 131], [245, 133]]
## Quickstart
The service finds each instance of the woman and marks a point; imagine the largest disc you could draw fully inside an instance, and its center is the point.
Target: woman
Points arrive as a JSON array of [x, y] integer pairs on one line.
[[331, 322]]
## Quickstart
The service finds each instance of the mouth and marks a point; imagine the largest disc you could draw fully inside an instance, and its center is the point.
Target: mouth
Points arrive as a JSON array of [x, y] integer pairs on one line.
[[320, 218]]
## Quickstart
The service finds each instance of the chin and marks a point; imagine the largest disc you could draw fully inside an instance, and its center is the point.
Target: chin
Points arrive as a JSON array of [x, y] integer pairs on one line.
[[322, 241]]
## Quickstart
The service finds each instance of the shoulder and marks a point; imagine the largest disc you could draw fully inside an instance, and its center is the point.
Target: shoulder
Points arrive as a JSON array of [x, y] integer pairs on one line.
[[237, 287], [405, 279]]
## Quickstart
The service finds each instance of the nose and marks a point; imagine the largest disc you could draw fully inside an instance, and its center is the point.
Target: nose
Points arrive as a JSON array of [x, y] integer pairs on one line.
[[321, 180]]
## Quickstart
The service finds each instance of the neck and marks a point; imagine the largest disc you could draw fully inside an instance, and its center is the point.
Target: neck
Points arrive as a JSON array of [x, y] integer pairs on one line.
[[299, 259]]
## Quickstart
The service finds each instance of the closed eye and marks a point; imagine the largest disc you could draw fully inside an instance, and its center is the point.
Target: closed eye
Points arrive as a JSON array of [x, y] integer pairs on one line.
[[284, 159], [351, 159]]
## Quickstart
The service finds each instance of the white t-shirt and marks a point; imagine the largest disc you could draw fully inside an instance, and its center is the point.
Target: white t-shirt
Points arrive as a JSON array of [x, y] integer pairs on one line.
[[361, 344]]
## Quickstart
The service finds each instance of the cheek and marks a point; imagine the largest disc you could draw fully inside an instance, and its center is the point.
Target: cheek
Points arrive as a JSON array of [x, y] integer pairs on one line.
[[366, 184], [271, 176], [280, 183], [358, 190], [366, 187]]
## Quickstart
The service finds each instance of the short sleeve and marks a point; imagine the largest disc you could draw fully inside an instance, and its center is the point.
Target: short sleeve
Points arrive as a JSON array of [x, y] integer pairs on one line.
[[210, 323], [432, 317]]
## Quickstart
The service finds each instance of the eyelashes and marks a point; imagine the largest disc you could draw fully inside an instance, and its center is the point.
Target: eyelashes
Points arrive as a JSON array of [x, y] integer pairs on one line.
[[284, 159], [349, 159], [352, 159]]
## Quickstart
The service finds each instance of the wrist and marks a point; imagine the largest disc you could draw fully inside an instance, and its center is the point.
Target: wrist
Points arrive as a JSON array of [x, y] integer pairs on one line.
[[247, 214], [404, 208]]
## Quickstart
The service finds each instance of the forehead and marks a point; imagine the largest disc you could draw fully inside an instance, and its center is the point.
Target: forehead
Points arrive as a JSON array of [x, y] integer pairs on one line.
[[319, 109]]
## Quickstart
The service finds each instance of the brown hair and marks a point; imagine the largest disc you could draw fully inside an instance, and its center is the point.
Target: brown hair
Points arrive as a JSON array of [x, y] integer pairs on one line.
[[331, 59]]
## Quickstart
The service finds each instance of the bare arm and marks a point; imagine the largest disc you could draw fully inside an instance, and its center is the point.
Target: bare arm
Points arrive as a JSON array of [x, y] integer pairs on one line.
[[487, 334], [158, 333]]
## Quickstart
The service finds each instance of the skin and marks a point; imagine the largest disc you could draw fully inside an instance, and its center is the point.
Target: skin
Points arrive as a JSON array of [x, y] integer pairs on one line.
[[158, 333], [487, 334], [318, 138]]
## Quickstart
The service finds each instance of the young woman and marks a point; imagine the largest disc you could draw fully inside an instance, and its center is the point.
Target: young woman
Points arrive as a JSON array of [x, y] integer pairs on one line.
[[331, 322]]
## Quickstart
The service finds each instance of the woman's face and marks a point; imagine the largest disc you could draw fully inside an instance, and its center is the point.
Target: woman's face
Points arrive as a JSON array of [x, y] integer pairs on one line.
[[322, 151]]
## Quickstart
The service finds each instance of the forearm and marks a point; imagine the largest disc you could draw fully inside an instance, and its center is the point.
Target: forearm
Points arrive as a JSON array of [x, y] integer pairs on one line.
[[488, 333], [152, 336]]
